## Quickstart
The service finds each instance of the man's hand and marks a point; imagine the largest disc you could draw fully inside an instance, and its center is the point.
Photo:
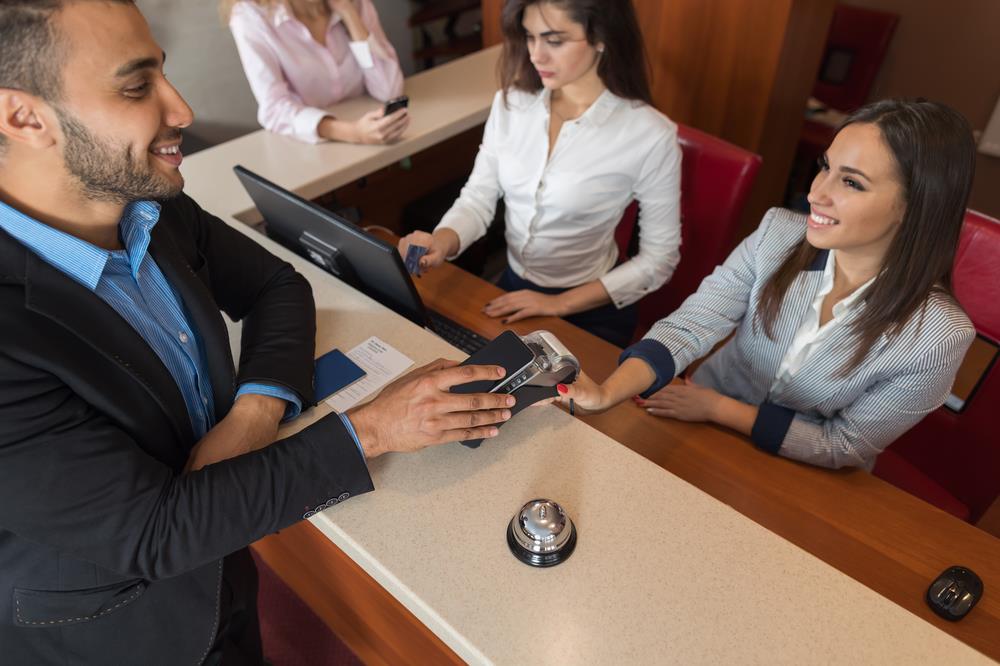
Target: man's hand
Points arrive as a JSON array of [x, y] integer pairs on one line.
[[251, 424], [517, 305], [417, 410]]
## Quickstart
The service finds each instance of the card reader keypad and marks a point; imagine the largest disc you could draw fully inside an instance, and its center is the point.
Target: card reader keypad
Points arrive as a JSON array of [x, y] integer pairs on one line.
[[516, 381]]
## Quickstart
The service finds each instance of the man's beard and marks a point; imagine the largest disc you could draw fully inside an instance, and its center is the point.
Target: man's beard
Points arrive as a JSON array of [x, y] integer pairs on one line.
[[108, 172]]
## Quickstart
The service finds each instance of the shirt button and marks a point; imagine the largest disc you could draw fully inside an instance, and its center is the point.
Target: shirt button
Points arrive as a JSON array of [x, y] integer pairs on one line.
[[183, 337]]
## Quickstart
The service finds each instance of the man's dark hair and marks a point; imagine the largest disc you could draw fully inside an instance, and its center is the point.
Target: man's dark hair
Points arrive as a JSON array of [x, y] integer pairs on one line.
[[31, 57]]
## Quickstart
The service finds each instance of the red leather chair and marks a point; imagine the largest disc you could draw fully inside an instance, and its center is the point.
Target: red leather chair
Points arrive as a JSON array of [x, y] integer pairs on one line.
[[716, 177], [952, 459], [855, 48]]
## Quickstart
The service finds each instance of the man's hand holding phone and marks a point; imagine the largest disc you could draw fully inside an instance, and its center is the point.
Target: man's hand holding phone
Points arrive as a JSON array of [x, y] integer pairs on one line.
[[417, 410]]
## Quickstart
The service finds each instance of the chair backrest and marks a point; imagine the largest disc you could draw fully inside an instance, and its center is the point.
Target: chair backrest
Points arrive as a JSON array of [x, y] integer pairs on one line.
[[716, 178], [960, 451], [855, 47]]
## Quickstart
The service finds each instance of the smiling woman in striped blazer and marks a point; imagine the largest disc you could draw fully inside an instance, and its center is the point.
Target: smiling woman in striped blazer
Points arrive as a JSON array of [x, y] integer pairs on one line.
[[846, 332]]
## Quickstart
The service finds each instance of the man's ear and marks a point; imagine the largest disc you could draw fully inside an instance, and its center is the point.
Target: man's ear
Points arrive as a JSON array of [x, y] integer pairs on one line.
[[25, 118]]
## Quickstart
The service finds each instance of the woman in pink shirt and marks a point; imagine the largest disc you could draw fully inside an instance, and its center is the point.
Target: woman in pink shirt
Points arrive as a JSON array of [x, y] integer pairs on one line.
[[301, 56]]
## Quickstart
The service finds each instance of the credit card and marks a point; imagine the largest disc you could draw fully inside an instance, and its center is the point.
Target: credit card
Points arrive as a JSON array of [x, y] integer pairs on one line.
[[413, 255]]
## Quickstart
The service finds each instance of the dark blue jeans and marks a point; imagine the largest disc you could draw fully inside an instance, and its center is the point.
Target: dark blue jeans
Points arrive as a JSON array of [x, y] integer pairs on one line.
[[607, 322]]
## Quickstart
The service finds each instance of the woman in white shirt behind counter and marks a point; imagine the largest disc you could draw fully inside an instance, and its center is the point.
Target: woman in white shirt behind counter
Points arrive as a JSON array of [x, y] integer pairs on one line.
[[571, 140], [301, 56]]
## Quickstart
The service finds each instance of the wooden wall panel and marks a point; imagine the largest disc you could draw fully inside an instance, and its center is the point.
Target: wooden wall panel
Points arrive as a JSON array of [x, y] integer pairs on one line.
[[738, 69], [491, 22], [804, 42]]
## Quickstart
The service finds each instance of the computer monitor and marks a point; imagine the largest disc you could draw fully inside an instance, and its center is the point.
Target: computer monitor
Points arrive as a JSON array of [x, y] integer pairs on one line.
[[366, 263]]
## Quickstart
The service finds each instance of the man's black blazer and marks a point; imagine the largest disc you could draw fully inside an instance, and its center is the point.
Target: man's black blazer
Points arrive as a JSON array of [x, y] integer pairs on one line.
[[109, 554]]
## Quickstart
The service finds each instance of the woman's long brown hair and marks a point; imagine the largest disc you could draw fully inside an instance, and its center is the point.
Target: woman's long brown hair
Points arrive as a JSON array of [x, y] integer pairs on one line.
[[623, 67], [935, 157]]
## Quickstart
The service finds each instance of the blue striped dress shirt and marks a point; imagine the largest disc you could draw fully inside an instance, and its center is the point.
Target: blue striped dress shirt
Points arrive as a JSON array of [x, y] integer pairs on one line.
[[132, 284]]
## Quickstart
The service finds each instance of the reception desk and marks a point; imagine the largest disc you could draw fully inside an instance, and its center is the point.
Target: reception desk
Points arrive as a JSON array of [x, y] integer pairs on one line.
[[693, 545]]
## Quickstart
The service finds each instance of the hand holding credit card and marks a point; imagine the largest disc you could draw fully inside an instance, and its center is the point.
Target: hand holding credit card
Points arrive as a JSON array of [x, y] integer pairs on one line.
[[413, 256]]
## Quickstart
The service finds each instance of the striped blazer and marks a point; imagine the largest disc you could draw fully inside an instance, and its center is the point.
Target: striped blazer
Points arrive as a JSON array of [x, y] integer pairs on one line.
[[820, 417]]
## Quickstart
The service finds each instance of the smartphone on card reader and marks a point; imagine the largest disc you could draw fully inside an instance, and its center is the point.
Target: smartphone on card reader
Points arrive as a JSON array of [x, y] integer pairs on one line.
[[534, 365], [395, 104]]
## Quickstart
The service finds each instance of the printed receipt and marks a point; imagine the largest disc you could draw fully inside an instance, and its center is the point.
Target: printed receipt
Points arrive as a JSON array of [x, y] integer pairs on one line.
[[381, 363]]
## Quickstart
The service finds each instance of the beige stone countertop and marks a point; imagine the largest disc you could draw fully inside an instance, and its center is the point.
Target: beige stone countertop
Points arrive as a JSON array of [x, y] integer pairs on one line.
[[662, 572]]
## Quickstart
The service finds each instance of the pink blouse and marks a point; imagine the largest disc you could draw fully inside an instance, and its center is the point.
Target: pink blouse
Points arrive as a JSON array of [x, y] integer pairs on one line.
[[294, 78]]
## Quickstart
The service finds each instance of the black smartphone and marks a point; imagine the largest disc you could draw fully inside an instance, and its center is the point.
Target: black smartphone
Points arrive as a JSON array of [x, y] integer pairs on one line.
[[506, 350], [396, 103]]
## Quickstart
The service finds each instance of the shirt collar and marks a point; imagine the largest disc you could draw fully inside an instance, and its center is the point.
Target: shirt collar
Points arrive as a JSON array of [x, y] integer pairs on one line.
[[847, 304], [282, 14], [596, 114], [80, 260]]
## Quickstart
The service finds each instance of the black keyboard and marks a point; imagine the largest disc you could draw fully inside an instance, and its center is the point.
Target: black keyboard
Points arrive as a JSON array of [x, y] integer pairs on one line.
[[455, 333]]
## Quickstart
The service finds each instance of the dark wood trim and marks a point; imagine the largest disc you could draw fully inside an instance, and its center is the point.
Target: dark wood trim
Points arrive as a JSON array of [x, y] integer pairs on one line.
[[377, 628]]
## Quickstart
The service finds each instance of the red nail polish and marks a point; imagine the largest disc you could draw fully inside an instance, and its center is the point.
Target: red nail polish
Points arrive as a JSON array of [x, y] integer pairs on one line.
[[562, 388]]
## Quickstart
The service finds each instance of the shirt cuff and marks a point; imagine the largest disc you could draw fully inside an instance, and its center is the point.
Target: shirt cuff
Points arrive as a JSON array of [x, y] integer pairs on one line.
[[294, 407], [363, 54], [306, 124], [350, 430], [771, 426], [622, 285], [657, 357]]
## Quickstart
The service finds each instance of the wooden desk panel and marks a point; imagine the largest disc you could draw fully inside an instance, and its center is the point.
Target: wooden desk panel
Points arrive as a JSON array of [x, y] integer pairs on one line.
[[377, 628]]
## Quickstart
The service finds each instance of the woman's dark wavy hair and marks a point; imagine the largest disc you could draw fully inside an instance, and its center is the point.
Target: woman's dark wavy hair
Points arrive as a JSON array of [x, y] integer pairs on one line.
[[623, 67], [935, 156]]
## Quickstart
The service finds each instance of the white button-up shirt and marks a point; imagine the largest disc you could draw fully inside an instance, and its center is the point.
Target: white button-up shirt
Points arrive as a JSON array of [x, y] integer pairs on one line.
[[810, 334], [295, 78], [562, 210]]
